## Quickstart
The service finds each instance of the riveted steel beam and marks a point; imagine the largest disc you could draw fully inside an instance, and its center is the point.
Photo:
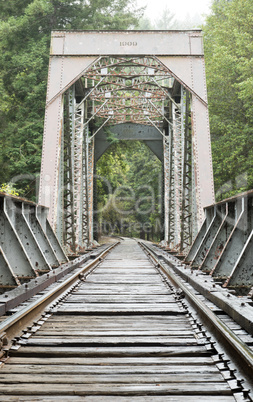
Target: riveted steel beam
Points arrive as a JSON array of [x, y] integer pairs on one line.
[[12, 247], [35, 226], [15, 212], [41, 214], [130, 132], [225, 213], [223, 246], [235, 242], [28, 246]]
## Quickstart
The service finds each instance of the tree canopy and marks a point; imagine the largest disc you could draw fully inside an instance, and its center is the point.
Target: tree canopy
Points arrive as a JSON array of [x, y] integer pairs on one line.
[[25, 28], [228, 36]]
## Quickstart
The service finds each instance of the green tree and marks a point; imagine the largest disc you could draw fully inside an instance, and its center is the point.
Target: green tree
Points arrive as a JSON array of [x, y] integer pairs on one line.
[[167, 20], [228, 39], [25, 28], [134, 175]]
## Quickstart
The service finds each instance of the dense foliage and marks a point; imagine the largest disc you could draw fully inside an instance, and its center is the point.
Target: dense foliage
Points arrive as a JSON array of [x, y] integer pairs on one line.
[[129, 190], [228, 36], [25, 28]]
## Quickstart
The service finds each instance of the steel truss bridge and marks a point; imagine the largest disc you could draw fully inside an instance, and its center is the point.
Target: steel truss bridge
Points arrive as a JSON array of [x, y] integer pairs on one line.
[[147, 86], [130, 318]]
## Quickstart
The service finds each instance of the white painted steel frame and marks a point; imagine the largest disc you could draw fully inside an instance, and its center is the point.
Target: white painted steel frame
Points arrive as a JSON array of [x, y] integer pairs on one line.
[[72, 53]]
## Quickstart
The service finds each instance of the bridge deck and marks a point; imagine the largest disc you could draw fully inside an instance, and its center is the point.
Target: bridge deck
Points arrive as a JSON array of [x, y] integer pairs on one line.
[[121, 333]]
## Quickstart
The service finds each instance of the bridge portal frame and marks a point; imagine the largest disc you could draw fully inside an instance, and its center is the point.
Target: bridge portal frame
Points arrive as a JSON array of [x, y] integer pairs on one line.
[[73, 52]]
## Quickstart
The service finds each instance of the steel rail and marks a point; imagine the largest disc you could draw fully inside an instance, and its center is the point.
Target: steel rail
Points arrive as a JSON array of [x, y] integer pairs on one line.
[[226, 333], [16, 318]]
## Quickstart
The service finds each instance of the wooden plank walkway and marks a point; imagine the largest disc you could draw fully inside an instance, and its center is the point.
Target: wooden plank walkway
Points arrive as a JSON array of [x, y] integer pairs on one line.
[[121, 335]]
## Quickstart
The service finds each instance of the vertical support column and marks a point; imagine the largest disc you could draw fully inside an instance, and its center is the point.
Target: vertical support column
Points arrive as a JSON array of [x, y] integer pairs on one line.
[[90, 182], [78, 171], [51, 157], [69, 236], [171, 189], [85, 224], [59, 228], [166, 162], [202, 158], [179, 199], [186, 214], [176, 172], [177, 129]]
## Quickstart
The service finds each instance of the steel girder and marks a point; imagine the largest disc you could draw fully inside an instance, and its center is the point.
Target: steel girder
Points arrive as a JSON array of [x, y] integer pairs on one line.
[[130, 132], [78, 176], [126, 76], [223, 246], [28, 245], [69, 234], [179, 170]]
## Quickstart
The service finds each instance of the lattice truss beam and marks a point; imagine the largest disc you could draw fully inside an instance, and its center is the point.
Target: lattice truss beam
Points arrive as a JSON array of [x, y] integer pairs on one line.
[[117, 90], [179, 170], [129, 89]]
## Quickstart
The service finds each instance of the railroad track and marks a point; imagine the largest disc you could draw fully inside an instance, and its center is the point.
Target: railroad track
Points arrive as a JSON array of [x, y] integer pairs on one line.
[[122, 330]]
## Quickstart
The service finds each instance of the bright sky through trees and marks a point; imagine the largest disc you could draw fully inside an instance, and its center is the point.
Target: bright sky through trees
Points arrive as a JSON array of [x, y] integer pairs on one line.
[[181, 8]]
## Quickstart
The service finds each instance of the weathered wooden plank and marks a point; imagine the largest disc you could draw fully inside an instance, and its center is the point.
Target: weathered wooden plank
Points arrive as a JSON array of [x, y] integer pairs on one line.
[[47, 351], [148, 318], [123, 271], [75, 378], [116, 361], [121, 291], [73, 333], [118, 389], [124, 279], [145, 286], [119, 340], [148, 288], [120, 298], [126, 322], [104, 398], [110, 308], [133, 305], [133, 263], [131, 273], [116, 329], [106, 369], [117, 326]]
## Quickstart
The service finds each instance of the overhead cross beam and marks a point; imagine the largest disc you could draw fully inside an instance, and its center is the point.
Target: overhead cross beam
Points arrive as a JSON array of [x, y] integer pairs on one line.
[[128, 85]]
